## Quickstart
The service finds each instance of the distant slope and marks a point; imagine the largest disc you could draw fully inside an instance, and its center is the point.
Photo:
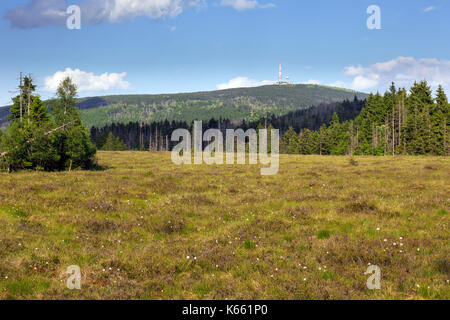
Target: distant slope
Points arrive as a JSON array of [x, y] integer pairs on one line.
[[233, 104]]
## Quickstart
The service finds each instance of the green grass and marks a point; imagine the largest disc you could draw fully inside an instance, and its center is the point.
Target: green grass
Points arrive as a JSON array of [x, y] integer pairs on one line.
[[147, 229], [323, 234]]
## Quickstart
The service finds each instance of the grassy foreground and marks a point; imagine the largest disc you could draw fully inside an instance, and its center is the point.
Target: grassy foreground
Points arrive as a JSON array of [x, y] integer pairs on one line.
[[147, 229]]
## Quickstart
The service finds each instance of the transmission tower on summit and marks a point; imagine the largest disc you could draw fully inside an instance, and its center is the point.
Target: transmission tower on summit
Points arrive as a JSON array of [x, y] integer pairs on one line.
[[280, 76]]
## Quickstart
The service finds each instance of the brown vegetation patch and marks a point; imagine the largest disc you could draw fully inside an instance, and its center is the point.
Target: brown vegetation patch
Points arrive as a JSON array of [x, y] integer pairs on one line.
[[442, 265], [164, 185], [169, 224], [197, 199], [274, 224], [28, 226], [302, 212], [101, 226], [360, 207], [102, 205]]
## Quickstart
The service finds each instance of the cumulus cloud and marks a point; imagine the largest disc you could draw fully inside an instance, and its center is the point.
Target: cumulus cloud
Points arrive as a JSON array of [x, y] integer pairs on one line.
[[53, 12], [87, 81], [402, 70], [37, 13], [242, 82], [429, 9], [241, 5]]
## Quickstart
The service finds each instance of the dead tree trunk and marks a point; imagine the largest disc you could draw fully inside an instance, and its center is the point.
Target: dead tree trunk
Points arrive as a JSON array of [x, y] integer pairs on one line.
[[21, 97], [29, 98]]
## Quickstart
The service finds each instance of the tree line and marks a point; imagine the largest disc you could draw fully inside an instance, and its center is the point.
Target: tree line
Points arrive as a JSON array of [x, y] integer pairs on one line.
[[155, 136], [396, 123], [42, 139]]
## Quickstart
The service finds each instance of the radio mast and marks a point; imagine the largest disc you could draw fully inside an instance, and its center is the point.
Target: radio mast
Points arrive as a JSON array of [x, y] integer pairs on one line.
[[280, 75]]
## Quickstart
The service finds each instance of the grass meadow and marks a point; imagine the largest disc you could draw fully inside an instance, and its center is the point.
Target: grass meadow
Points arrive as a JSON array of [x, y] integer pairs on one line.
[[143, 228]]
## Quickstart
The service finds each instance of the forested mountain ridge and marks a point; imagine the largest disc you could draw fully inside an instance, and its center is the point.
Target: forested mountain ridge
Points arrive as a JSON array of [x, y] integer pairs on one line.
[[400, 122], [156, 135], [250, 104]]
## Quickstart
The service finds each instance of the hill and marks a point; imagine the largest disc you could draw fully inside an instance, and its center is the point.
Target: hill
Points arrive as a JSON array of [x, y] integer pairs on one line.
[[234, 104]]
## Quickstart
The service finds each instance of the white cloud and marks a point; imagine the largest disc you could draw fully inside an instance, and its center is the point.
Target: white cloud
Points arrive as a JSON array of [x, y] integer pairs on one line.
[[119, 10], [242, 82], [241, 5], [364, 83], [429, 9], [37, 13], [87, 81], [52, 12], [402, 70]]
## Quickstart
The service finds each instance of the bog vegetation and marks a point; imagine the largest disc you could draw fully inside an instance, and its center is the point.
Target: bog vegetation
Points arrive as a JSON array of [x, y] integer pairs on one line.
[[147, 229]]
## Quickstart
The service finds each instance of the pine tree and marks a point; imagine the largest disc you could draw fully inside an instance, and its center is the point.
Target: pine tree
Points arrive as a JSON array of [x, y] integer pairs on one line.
[[418, 126], [72, 142], [440, 122], [305, 142], [323, 140], [290, 143], [38, 109], [113, 143]]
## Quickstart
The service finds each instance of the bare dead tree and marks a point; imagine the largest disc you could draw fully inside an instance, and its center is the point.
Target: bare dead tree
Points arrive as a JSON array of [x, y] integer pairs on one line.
[[156, 139], [29, 97], [21, 96]]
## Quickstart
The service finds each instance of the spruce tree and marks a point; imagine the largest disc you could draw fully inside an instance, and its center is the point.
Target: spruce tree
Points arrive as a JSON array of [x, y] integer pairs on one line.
[[113, 143], [418, 126], [72, 142], [440, 123], [290, 143], [305, 142]]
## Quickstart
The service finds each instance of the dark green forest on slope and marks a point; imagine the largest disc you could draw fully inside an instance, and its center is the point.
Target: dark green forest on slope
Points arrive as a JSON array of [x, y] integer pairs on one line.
[[156, 135], [249, 104]]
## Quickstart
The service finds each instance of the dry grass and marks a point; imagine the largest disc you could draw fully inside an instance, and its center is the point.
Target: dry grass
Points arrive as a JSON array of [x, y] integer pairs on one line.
[[324, 219]]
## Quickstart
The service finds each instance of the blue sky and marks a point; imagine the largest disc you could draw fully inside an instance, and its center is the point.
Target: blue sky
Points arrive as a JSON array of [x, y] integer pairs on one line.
[[165, 46]]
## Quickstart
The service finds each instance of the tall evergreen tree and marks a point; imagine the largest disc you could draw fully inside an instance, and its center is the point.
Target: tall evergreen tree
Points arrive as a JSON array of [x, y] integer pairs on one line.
[[418, 126], [73, 142], [440, 121], [290, 143], [113, 143]]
